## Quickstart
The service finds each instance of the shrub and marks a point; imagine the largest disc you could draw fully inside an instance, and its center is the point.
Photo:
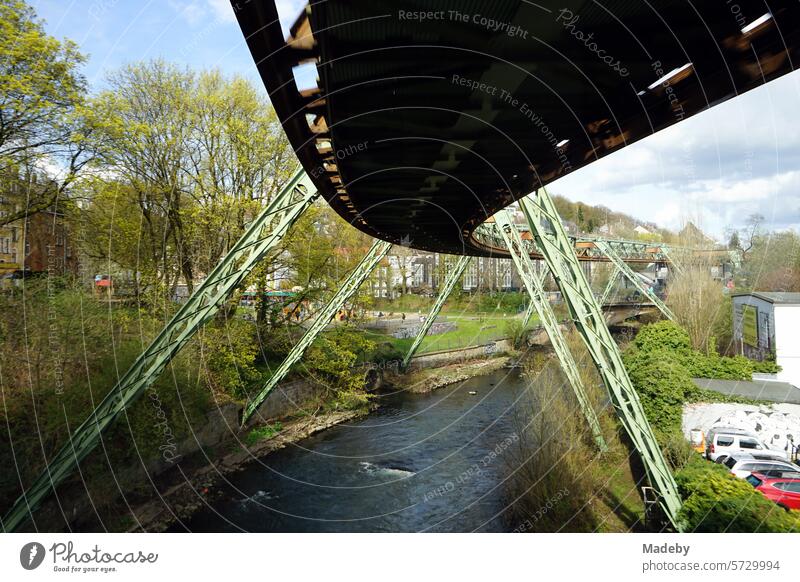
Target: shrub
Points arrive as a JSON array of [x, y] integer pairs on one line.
[[663, 335], [663, 385], [716, 501], [333, 357], [516, 332], [262, 433], [229, 352]]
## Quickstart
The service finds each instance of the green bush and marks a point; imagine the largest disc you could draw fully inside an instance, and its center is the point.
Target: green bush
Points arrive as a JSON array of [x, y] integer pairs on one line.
[[516, 332], [663, 335], [663, 385], [716, 501], [229, 351], [261, 433], [332, 358], [667, 336], [385, 352]]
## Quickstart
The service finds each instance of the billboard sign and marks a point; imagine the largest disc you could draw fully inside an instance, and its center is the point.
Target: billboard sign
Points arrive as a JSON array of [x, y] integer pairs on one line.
[[750, 325]]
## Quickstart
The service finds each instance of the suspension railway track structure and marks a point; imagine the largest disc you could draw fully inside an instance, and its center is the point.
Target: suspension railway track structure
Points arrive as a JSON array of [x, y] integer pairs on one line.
[[427, 120]]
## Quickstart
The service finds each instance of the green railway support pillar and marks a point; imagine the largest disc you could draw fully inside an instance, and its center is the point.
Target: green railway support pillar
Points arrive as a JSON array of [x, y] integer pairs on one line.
[[452, 279], [629, 274], [559, 253], [533, 284], [263, 234], [674, 268], [528, 314], [609, 287], [357, 276]]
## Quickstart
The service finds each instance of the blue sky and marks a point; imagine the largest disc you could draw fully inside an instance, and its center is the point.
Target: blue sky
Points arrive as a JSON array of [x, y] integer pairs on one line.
[[714, 169]]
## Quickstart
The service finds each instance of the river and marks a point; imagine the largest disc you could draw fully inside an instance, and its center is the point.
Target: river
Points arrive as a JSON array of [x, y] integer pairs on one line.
[[422, 462]]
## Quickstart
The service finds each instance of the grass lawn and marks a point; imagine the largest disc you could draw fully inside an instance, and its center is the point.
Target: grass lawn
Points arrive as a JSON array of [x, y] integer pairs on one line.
[[470, 330]]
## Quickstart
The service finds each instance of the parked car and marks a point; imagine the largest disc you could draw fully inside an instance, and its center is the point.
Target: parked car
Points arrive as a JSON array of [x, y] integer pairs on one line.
[[728, 443], [742, 464], [783, 491]]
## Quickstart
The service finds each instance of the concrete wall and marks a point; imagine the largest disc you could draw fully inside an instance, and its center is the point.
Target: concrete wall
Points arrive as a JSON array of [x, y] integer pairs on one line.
[[288, 398], [787, 342], [443, 358]]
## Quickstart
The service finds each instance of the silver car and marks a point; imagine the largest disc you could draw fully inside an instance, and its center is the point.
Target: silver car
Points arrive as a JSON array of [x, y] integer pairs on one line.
[[742, 464]]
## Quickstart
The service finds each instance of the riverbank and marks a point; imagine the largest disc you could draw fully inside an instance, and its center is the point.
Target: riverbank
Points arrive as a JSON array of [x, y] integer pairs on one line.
[[430, 379], [188, 489], [181, 500]]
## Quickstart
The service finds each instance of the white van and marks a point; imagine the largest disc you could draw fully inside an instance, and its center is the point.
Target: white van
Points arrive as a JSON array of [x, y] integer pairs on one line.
[[728, 443]]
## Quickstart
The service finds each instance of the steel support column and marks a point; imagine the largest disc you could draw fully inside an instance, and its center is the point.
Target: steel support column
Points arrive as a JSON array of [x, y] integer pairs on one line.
[[609, 286], [528, 313], [673, 266], [357, 276], [536, 292], [631, 275], [450, 283], [558, 251], [262, 235]]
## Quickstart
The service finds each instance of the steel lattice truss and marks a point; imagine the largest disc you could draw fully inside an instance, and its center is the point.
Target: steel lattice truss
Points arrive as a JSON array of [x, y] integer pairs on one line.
[[549, 321], [263, 234], [586, 248], [374, 256], [453, 277], [621, 267], [558, 251]]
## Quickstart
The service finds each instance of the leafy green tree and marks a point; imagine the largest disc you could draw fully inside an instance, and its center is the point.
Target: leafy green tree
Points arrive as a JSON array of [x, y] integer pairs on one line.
[[41, 110]]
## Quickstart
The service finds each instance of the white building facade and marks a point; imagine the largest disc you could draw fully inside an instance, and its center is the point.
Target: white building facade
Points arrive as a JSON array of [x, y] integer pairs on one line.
[[766, 323]]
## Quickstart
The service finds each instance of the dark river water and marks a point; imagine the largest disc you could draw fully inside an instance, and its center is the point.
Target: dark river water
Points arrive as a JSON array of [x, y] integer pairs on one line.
[[422, 462]]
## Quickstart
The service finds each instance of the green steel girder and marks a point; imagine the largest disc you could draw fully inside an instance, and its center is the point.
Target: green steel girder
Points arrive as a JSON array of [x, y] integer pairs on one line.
[[672, 264], [559, 253], [263, 234], [453, 276], [357, 276], [549, 321], [612, 280], [585, 247], [528, 314], [631, 275]]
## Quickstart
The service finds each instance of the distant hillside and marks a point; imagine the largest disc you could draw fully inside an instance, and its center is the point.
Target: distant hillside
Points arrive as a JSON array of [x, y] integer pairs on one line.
[[602, 221]]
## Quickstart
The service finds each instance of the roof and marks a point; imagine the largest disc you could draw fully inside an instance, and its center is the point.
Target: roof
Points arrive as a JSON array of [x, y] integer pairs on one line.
[[769, 390], [776, 297], [426, 123]]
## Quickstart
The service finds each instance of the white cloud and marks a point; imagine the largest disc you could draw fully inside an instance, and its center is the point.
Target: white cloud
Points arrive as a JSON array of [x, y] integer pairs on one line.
[[716, 168], [222, 10]]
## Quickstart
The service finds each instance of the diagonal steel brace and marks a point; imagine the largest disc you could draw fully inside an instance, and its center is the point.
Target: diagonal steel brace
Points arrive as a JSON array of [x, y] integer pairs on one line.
[[450, 283], [374, 256], [535, 289], [559, 253], [287, 206]]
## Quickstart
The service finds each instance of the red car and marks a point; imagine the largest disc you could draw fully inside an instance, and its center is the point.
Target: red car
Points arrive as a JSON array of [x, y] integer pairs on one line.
[[785, 491]]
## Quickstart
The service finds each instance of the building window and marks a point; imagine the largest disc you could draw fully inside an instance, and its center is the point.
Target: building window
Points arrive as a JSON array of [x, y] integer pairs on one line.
[[506, 265], [471, 276]]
